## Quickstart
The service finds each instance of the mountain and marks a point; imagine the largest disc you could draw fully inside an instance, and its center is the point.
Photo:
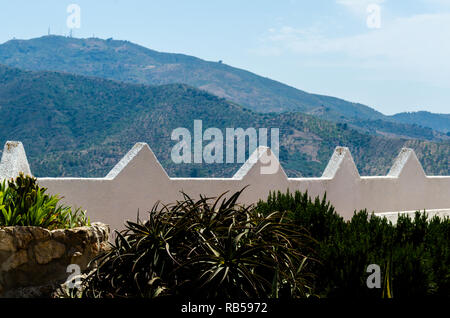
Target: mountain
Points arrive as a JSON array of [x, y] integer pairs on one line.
[[80, 126], [440, 122], [128, 62], [131, 63]]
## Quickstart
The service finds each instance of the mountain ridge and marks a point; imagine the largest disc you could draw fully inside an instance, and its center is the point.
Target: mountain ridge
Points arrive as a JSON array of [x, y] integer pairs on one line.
[[131, 63], [441, 122]]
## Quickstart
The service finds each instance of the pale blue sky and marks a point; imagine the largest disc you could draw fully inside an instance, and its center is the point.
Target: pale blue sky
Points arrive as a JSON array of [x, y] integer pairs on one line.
[[322, 46]]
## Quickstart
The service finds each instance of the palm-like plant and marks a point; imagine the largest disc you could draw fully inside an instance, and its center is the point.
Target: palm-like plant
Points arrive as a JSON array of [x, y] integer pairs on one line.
[[205, 247], [24, 203]]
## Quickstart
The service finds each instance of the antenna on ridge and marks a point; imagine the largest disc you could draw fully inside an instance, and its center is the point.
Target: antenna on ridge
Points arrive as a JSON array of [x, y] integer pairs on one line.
[[48, 30]]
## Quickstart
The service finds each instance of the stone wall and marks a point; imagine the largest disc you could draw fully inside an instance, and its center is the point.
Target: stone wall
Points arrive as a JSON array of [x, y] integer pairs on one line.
[[33, 258]]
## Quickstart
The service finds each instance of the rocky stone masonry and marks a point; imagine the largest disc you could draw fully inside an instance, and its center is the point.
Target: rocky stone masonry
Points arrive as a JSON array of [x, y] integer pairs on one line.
[[31, 257]]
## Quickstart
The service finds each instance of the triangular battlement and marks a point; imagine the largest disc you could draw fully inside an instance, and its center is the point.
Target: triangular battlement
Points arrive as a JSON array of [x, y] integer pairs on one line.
[[261, 162], [341, 164], [140, 159], [407, 164], [14, 160]]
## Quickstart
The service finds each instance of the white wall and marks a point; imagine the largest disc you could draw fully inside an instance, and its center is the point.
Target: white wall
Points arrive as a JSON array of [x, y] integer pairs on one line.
[[138, 181]]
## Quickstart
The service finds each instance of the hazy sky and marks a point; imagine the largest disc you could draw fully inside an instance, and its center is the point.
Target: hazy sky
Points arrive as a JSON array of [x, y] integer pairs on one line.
[[321, 46]]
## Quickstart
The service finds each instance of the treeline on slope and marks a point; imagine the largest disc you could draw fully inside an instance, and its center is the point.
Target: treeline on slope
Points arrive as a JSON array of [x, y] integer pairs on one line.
[[77, 126], [439, 122], [387, 127]]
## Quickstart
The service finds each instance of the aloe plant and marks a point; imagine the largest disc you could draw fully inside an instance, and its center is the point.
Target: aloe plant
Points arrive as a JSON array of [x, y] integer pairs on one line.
[[207, 248]]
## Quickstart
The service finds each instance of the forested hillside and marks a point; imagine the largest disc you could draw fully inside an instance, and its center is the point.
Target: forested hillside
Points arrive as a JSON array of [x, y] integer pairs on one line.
[[77, 126], [128, 62]]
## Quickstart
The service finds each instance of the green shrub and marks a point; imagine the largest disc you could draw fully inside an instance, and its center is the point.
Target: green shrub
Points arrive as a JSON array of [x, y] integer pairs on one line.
[[414, 254], [205, 248], [24, 203]]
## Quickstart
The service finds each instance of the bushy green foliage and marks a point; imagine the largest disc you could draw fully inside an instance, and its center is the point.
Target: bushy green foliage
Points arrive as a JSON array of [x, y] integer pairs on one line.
[[24, 203], [414, 254], [205, 248]]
